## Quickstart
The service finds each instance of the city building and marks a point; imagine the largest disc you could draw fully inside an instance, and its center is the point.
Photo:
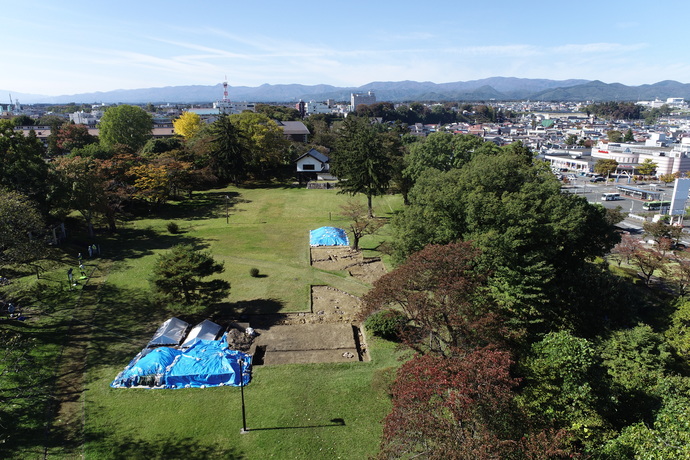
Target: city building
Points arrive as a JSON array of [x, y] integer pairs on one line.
[[357, 99]]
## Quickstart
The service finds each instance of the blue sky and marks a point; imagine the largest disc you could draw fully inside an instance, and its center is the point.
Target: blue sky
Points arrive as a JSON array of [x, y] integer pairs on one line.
[[58, 48]]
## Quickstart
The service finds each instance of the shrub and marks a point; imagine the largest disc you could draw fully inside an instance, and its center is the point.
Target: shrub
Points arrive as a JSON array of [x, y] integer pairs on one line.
[[173, 227], [386, 323], [254, 272]]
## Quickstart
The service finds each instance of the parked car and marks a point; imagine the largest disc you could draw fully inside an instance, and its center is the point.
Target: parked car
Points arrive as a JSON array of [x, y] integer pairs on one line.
[[597, 179]]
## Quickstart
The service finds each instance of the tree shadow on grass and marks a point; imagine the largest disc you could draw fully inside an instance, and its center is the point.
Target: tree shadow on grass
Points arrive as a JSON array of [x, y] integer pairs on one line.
[[224, 312], [104, 446], [134, 243], [203, 205], [114, 444], [124, 322], [258, 307]]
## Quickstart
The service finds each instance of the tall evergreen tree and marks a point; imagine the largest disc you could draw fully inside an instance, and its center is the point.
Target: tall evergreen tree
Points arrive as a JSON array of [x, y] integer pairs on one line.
[[360, 160], [228, 154]]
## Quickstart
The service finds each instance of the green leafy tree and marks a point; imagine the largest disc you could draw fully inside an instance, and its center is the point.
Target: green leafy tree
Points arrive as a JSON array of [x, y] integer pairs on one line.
[[97, 151], [360, 161], [22, 164], [155, 147], [441, 151], [605, 166], [125, 124], [637, 358], [21, 225], [667, 437], [629, 136], [531, 234], [23, 120], [678, 334], [615, 215], [397, 151], [178, 277], [614, 135], [263, 140], [647, 167], [319, 126], [52, 120], [615, 110], [92, 187], [662, 233], [668, 178], [278, 112], [560, 387], [570, 140]]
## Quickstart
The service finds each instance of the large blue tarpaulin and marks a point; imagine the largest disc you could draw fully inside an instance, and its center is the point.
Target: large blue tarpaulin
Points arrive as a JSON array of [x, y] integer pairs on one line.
[[207, 363], [328, 236]]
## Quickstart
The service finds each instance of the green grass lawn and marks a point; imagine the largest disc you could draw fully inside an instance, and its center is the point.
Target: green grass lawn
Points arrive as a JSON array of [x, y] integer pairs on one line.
[[293, 411]]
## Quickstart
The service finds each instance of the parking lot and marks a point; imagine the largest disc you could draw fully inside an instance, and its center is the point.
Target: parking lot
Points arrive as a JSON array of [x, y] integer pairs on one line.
[[594, 190]]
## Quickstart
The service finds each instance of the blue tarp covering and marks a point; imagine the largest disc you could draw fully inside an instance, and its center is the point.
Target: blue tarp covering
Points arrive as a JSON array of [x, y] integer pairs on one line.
[[207, 363], [328, 236]]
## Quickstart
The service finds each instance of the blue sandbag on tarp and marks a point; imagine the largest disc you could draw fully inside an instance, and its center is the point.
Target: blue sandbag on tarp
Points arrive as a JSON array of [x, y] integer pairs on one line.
[[328, 236]]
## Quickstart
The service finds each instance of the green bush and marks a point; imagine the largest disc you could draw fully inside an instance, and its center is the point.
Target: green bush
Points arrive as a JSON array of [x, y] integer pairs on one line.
[[173, 227], [254, 272], [386, 323]]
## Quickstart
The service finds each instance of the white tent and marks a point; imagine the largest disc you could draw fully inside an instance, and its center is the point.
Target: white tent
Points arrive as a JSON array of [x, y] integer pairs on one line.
[[205, 330], [171, 332]]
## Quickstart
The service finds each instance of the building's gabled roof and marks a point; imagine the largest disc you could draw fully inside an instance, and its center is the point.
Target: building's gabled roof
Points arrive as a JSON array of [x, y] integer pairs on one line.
[[316, 155], [293, 127]]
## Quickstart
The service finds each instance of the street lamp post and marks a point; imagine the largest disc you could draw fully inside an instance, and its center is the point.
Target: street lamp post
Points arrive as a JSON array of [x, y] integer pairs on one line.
[[244, 417], [227, 215]]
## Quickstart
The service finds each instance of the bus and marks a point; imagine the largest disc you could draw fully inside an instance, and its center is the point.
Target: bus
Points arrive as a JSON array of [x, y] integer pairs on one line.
[[610, 196], [656, 205]]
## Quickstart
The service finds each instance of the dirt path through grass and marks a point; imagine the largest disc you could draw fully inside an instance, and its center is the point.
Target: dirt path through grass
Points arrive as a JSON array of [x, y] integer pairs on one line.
[[65, 429]]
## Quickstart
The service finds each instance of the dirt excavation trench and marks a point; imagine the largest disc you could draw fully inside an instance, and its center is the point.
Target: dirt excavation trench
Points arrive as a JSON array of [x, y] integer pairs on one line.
[[330, 331]]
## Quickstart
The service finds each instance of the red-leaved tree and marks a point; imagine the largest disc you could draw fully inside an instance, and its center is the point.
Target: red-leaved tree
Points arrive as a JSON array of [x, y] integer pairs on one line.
[[450, 407], [444, 297]]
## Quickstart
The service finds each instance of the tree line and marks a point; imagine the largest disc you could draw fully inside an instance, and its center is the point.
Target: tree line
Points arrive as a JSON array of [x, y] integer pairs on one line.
[[524, 342]]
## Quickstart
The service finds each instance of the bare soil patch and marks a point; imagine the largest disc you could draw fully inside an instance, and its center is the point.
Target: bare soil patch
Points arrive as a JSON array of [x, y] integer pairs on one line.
[[337, 258], [330, 331]]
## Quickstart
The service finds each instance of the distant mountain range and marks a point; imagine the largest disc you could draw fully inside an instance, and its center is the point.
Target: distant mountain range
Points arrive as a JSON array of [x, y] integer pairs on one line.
[[496, 88]]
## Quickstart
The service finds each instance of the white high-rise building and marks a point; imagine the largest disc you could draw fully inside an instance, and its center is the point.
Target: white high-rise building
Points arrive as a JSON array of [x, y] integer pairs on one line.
[[361, 98]]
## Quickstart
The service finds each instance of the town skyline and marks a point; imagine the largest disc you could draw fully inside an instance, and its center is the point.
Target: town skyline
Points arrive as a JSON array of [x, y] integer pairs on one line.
[[86, 47]]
